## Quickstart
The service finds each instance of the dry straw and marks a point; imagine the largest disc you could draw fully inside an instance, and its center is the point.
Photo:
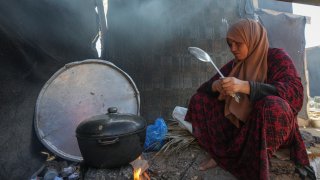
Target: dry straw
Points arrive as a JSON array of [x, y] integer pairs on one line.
[[177, 140]]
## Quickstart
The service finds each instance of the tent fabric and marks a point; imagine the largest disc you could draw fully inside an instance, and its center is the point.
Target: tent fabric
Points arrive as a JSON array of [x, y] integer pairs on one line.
[[37, 38]]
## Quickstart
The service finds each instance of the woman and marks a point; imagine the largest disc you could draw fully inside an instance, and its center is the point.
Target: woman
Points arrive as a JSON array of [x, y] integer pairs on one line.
[[241, 137]]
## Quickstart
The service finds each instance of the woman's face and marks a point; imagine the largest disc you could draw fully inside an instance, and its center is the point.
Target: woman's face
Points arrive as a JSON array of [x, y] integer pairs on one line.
[[238, 49]]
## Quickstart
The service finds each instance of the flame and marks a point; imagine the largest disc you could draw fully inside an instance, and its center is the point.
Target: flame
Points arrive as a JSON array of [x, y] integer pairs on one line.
[[136, 174]]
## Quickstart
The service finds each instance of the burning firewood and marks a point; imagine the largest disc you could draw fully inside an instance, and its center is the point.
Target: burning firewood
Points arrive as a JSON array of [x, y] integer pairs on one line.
[[139, 167]]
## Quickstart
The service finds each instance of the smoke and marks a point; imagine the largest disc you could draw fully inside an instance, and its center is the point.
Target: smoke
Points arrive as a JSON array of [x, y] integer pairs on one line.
[[51, 26], [145, 23]]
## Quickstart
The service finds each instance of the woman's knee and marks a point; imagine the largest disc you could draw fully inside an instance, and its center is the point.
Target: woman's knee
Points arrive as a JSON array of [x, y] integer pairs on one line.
[[205, 101], [200, 97], [272, 102]]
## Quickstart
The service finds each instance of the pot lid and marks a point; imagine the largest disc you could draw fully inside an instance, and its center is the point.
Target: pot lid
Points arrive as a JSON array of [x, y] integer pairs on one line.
[[112, 124], [76, 92]]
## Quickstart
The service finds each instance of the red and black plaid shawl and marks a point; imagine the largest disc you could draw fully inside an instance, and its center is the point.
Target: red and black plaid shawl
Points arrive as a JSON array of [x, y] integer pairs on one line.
[[272, 123]]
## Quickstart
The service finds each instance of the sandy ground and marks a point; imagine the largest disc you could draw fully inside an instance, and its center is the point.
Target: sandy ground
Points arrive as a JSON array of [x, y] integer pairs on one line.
[[184, 166]]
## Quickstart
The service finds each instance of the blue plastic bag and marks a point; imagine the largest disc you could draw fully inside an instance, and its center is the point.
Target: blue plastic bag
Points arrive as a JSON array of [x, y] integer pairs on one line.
[[155, 135]]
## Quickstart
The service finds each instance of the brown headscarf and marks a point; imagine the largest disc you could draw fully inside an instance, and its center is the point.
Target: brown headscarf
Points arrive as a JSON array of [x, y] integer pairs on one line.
[[253, 68]]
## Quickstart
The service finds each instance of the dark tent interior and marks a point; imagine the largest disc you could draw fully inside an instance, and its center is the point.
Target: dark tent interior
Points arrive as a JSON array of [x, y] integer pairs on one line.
[[37, 39], [146, 39]]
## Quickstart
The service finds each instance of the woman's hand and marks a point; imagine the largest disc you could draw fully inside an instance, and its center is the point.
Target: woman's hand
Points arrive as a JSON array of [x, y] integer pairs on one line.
[[232, 85], [217, 87]]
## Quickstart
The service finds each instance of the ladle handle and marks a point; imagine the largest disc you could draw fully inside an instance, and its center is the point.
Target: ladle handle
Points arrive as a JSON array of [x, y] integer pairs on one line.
[[217, 69]]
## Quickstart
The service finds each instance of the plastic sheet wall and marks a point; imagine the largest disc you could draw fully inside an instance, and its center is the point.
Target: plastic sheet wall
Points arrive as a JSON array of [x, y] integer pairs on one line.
[[287, 31], [313, 63]]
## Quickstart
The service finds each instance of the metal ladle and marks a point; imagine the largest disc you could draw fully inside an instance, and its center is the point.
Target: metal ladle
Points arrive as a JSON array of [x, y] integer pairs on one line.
[[203, 56]]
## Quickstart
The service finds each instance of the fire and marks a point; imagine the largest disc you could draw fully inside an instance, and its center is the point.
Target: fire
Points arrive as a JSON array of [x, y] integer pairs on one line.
[[136, 174], [139, 169]]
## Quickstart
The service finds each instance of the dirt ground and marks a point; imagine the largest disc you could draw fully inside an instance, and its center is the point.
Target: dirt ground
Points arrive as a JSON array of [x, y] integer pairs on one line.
[[184, 166]]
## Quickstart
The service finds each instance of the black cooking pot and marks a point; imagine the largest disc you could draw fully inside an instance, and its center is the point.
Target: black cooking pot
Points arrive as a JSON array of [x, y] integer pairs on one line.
[[111, 140]]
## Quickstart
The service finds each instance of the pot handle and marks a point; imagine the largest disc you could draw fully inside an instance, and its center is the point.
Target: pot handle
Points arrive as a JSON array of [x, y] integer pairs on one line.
[[104, 142]]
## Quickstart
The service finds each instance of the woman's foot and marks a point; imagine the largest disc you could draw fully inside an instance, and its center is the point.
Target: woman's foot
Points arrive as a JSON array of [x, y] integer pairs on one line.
[[207, 164]]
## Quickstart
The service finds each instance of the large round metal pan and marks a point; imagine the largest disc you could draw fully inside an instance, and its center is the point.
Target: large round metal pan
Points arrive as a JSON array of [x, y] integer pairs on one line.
[[77, 92]]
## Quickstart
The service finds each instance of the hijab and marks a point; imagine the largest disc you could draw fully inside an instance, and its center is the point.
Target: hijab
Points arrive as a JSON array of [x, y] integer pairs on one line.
[[253, 68]]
